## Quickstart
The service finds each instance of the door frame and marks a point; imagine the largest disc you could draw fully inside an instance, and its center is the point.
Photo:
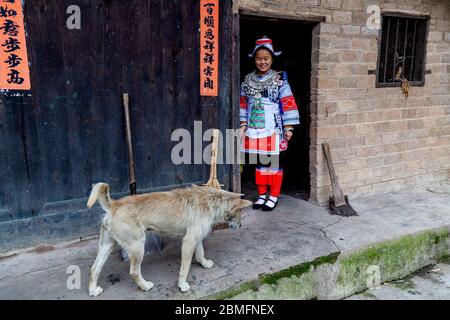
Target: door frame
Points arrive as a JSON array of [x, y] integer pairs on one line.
[[235, 182]]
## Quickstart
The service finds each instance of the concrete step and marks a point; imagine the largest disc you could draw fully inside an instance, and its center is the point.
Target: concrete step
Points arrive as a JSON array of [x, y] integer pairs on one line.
[[298, 251]]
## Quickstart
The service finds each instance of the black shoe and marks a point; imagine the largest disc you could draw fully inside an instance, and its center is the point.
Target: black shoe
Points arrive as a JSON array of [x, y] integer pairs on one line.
[[258, 206], [267, 208]]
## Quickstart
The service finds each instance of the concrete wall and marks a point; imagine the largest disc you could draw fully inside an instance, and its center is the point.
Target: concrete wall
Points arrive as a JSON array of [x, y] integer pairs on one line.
[[379, 140]]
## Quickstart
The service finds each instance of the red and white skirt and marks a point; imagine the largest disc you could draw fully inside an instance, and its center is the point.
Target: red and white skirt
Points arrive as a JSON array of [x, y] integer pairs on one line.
[[268, 145]]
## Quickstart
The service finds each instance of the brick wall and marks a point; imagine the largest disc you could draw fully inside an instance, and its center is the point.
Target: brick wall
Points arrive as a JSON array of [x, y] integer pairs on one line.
[[379, 140]]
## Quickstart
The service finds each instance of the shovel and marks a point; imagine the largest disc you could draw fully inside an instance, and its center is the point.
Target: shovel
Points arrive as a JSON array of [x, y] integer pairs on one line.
[[152, 242], [339, 204]]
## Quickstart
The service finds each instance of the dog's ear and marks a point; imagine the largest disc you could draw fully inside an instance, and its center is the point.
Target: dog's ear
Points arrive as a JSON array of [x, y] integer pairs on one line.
[[243, 203]]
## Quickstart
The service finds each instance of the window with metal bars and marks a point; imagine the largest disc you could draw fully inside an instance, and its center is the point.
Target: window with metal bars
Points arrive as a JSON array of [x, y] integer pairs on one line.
[[402, 50]]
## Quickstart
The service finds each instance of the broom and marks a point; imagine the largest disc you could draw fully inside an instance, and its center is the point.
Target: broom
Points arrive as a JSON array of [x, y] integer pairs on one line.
[[213, 182]]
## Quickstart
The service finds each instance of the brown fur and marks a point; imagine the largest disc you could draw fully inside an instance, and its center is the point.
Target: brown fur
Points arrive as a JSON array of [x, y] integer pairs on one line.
[[189, 212]]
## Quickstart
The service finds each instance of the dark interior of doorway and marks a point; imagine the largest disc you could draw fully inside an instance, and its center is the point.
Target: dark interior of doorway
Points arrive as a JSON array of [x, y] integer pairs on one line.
[[294, 39]]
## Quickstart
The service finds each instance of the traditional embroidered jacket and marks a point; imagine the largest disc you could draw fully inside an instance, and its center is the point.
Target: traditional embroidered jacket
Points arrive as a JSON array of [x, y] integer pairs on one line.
[[266, 104]]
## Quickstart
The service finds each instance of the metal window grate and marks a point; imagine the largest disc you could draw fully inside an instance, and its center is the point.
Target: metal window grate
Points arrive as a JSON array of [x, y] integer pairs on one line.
[[402, 50]]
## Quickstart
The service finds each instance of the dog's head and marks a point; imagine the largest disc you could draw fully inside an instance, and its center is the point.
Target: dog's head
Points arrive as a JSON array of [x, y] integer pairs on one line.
[[233, 215], [225, 205]]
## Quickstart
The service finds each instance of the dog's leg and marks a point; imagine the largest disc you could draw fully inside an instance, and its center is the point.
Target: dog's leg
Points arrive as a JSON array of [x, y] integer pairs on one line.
[[106, 245], [136, 254], [187, 250], [200, 256]]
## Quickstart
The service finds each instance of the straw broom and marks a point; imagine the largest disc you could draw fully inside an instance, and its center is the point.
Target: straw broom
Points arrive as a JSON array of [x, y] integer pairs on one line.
[[213, 182]]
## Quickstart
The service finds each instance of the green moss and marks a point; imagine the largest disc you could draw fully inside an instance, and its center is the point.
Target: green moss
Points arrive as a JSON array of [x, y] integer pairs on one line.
[[290, 287], [227, 294], [444, 259], [440, 236], [299, 269], [396, 259]]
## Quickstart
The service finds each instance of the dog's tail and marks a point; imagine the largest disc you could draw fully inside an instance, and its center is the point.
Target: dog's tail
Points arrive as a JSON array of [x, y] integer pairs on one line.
[[100, 192]]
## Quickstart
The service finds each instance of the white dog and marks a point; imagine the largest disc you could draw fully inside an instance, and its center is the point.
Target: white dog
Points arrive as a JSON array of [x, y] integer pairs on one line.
[[189, 212]]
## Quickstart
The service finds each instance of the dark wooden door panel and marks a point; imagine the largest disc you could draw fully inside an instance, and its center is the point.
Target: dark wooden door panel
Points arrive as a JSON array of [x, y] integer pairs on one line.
[[67, 133], [21, 192]]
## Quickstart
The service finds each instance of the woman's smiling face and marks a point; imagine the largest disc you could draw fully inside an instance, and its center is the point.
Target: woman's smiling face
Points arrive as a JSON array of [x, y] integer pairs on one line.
[[263, 60]]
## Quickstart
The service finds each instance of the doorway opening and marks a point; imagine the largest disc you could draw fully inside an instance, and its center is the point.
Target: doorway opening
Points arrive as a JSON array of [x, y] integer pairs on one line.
[[294, 39]]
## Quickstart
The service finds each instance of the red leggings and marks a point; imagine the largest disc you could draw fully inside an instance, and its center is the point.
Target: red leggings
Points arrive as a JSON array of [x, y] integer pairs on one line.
[[269, 176]]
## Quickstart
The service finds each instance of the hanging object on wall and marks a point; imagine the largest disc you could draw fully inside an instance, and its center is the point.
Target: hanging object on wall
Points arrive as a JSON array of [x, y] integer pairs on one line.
[[14, 70], [209, 47], [405, 83]]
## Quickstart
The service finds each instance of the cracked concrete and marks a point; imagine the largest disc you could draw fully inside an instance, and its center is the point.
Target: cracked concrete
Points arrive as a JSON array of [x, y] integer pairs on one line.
[[295, 233]]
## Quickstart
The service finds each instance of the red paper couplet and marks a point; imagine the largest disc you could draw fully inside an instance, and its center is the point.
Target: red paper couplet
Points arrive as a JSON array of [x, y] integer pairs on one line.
[[209, 47]]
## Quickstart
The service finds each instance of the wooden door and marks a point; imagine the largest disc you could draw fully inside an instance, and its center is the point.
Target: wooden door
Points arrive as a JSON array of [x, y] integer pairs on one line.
[[67, 133]]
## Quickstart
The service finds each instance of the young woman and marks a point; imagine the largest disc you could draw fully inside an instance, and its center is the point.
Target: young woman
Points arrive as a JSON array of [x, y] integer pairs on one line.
[[268, 113]]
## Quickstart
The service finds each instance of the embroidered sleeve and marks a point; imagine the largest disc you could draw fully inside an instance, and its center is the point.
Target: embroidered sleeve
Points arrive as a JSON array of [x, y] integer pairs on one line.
[[243, 103], [290, 110]]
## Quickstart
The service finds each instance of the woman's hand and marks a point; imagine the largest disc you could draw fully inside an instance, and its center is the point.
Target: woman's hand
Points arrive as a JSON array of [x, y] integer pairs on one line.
[[242, 130], [288, 132], [288, 135]]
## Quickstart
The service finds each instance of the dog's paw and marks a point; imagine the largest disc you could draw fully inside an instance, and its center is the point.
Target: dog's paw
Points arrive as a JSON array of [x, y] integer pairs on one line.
[[205, 263], [95, 292], [146, 286], [184, 286]]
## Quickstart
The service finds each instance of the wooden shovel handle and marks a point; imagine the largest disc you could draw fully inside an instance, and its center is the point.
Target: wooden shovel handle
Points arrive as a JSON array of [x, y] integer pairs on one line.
[[338, 195], [129, 140]]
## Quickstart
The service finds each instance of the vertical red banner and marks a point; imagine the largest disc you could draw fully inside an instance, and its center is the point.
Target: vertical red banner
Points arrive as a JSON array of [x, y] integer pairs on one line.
[[14, 71], [209, 47]]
